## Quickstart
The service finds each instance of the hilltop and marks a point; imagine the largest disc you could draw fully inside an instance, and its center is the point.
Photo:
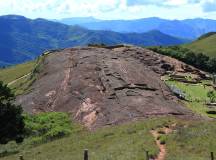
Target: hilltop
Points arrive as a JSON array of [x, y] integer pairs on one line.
[[24, 39], [105, 86], [206, 44]]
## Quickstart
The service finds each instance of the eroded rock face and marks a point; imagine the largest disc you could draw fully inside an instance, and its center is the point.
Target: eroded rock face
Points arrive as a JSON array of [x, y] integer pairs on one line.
[[103, 86]]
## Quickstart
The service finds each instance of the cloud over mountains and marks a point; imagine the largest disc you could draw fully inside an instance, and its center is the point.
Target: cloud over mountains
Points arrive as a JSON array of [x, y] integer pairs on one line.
[[110, 9]]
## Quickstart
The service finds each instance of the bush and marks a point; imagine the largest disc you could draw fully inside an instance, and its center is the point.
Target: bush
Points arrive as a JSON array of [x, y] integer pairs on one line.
[[40, 129], [162, 139], [11, 119], [8, 149], [47, 126], [211, 95]]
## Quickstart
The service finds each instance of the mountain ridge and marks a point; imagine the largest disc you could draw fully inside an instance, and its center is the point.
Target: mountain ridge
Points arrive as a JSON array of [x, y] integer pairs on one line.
[[193, 28], [23, 39]]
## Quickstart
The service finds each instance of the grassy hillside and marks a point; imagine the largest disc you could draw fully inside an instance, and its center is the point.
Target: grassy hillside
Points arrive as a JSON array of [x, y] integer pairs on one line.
[[14, 72], [192, 142], [20, 77], [125, 142], [189, 141], [205, 44]]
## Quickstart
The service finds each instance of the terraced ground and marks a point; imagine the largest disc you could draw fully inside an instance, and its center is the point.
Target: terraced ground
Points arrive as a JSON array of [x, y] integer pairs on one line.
[[196, 94]]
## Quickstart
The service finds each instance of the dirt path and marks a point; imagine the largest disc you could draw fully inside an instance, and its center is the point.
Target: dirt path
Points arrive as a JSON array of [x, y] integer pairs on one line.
[[14, 81], [162, 147]]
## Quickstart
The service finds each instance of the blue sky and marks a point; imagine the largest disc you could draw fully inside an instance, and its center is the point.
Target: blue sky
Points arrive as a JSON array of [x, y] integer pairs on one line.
[[110, 9]]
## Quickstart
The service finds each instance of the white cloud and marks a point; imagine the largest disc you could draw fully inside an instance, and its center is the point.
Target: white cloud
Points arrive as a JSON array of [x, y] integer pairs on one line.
[[163, 3], [209, 6], [108, 9], [176, 2]]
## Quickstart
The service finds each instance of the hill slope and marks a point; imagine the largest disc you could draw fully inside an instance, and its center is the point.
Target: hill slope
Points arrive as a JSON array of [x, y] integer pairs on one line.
[[205, 44], [189, 28], [101, 86], [24, 39]]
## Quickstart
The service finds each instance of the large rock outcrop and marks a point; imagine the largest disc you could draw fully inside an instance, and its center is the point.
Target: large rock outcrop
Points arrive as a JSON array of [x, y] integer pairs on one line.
[[100, 86]]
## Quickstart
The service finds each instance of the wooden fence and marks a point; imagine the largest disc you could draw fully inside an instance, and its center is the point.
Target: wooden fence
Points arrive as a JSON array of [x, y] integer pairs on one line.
[[86, 156]]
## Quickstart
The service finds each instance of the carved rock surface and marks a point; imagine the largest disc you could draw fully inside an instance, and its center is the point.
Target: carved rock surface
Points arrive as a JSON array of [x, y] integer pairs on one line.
[[99, 86]]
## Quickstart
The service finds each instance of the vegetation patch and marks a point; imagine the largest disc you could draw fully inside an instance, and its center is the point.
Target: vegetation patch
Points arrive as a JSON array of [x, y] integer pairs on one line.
[[205, 44], [47, 126], [41, 128], [162, 139], [123, 142], [12, 73], [22, 76], [193, 141], [196, 59], [197, 96]]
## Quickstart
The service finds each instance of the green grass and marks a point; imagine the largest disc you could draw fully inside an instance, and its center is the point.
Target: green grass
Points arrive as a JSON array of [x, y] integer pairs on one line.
[[124, 142], [206, 46], [197, 96], [41, 128], [163, 139], [194, 142], [14, 72], [193, 92], [190, 140]]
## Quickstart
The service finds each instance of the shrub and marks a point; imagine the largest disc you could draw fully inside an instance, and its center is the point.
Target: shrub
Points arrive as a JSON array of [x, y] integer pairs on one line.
[[8, 149], [11, 119], [162, 139], [47, 126], [211, 95]]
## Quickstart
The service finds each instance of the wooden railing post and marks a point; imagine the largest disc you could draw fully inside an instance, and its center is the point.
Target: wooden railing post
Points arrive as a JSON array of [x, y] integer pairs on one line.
[[86, 154], [212, 156], [21, 157], [147, 155]]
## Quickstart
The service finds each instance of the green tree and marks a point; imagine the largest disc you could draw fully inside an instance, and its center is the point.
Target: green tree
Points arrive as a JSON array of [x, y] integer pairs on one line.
[[211, 95], [212, 65], [11, 119]]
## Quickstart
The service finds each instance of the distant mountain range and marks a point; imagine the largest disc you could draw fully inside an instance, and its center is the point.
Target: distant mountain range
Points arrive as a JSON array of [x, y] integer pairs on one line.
[[189, 28], [23, 39], [77, 20]]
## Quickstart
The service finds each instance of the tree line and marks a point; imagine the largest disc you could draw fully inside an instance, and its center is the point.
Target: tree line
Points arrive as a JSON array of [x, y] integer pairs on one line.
[[198, 60]]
